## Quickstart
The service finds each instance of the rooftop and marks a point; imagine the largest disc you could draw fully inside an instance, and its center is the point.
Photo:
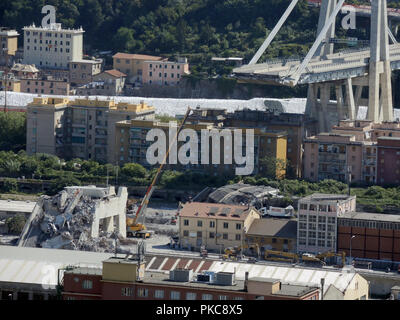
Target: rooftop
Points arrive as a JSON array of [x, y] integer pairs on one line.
[[115, 73], [294, 290], [121, 55], [18, 67], [321, 197], [281, 228], [214, 211], [53, 27], [370, 216], [25, 265]]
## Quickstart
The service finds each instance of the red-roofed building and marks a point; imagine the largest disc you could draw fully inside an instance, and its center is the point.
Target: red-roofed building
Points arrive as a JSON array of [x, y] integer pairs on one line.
[[132, 64], [213, 225]]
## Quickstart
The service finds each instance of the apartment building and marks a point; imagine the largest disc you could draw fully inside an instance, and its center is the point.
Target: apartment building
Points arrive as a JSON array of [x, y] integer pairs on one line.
[[164, 72], [107, 83], [45, 85], [8, 46], [213, 225], [317, 222], [80, 128], [336, 156], [388, 160], [52, 47], [83, 71], [131, 146], [133, 65], [128, 279], [370, 235], [273, 234], [352, 145], [297, 127]]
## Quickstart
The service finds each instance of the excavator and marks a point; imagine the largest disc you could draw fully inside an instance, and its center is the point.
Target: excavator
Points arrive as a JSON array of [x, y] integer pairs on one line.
[[232, 253], [133, 227]]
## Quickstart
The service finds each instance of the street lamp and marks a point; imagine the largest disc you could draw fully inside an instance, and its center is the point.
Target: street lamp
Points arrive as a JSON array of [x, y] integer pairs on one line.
[[352, 237]]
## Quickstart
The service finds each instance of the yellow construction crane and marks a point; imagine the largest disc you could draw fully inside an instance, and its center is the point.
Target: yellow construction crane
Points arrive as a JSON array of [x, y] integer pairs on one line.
[[273, 255], [133, 228]]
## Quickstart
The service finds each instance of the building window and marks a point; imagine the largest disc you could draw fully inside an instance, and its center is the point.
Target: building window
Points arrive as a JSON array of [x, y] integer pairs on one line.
[[186, 233], [143, 293], [238, 226], [212, 224], [273, 240], [238, 237], [206, 296], [159, 294], [185, 222], [226, 225], [225, 236], [199, 234], [175, 295], [126, 292], [87, 284], [199, 223], [212, 235], [222, 297], [191, 296]]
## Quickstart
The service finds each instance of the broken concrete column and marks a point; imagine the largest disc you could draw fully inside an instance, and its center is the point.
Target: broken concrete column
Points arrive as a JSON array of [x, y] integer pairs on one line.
[[109, 224]]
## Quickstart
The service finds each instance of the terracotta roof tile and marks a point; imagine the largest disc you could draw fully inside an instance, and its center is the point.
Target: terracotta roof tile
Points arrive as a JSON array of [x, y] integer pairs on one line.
[[120, 55], [214, 211], [115, 73]]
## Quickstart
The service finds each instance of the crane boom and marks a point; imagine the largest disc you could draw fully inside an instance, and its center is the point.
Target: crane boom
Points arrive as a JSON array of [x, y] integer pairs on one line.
[[150, 189]]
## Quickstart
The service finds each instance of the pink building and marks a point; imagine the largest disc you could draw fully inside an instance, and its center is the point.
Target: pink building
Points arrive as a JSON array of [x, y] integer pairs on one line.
[[164, 72], [351, 144], [330, 156]]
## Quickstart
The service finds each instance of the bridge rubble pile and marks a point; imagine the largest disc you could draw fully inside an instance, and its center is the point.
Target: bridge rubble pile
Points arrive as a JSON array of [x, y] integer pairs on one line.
[[66, 221]]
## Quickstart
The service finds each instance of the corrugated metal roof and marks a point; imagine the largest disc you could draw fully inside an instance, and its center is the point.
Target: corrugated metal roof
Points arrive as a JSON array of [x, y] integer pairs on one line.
[[40, 266], [292, 275]]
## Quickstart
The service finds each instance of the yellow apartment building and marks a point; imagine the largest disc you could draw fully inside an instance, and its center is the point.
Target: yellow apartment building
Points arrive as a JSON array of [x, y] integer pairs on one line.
[[80, 128], [132, 64], [8, 45], [131, 146], [213, 225]]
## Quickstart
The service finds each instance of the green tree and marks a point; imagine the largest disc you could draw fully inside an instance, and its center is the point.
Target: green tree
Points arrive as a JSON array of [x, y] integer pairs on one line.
[[133, 170], [123, 40], [16, 224], [12, 131]]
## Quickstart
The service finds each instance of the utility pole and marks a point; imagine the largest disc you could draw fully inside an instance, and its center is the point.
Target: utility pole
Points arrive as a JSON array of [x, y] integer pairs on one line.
[[349, 178]]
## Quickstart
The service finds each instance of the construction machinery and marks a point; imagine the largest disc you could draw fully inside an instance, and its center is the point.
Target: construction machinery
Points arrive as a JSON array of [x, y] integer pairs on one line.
[[231, 253], [281, 256], [134, 228], [329, 254]]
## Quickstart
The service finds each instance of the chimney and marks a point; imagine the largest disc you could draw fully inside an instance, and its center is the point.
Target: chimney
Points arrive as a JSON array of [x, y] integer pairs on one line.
[[246, 280], [322, 288]]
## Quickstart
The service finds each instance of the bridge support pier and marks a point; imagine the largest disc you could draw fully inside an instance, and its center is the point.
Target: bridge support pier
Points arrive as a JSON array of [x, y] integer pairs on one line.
[[380, 104]]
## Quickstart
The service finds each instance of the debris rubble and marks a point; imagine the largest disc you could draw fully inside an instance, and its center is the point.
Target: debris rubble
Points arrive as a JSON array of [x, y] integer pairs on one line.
[[76, 217]]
